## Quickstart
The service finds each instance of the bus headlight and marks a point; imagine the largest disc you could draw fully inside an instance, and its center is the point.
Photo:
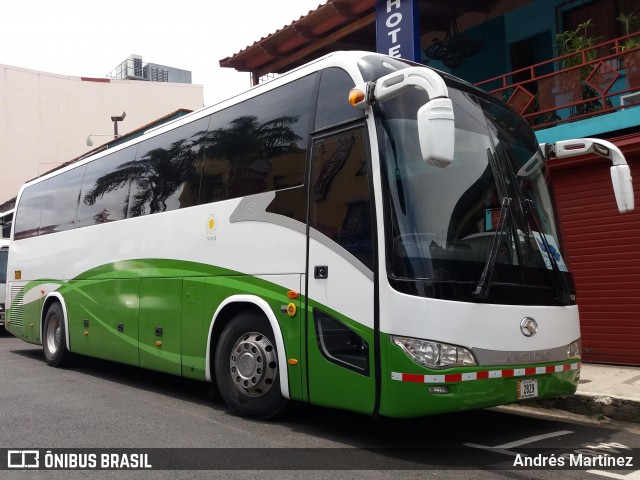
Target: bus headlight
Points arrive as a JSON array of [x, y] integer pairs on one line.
[[434, 354], [574, 349]]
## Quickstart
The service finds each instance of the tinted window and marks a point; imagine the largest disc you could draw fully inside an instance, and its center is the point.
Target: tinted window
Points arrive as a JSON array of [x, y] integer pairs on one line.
[[333, 99], [339, 344], [258, 145], [340, 205], [166, 173], [3, 265], [105, 190], [60, 208], [27, 216]]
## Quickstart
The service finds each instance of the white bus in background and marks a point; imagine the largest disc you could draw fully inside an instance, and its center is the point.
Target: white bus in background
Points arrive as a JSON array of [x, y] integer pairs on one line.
[[4, 254], [362, 233], [5, 223]]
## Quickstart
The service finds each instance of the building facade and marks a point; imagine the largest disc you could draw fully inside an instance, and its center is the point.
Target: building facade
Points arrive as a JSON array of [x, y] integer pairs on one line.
[[46, 118]]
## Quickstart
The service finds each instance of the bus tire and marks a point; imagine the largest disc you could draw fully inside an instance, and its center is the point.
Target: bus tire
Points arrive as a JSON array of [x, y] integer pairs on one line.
[[54, 342], [246, 367]]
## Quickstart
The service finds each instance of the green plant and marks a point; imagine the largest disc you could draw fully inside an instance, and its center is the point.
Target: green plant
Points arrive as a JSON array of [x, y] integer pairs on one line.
[[576, 40], [629, 21]]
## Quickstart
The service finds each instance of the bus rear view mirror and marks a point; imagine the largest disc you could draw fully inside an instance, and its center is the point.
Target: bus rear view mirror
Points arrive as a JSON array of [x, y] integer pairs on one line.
[[436, 131], [622, 187], [620, 172], [436, 127]]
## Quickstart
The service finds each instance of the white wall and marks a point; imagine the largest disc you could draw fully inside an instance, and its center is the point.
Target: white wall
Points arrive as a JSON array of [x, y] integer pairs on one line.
[[45, 118]]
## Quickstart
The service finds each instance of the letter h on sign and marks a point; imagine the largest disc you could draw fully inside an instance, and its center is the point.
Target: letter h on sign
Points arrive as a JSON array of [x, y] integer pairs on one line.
[[398, 28]]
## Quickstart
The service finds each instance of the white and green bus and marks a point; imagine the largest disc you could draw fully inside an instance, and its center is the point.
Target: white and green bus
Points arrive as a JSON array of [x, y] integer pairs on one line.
[[361, 233]]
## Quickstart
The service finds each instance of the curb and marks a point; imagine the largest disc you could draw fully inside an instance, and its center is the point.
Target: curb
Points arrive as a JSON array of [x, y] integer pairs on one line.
[[595, 405]]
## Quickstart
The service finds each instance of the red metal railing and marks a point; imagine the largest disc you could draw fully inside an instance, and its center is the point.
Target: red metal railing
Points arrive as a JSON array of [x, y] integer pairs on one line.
[[575, 86]]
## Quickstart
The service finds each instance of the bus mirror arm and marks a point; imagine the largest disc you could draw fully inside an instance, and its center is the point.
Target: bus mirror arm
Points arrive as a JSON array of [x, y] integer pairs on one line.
[[620, 172], [436, 126]]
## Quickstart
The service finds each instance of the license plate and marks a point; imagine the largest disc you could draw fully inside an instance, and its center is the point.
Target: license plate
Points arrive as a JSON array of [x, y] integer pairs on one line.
[[527, 388]]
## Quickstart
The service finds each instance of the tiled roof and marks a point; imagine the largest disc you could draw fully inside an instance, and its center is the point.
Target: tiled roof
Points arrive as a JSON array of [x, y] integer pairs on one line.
[[308, 31]]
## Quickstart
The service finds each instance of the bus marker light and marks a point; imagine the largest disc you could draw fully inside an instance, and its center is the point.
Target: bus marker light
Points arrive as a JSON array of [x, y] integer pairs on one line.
[[86, 332], [292, 361], [439, 390], [291, 309], [292, 294], [31, 325], [356, 97], [158, 343]]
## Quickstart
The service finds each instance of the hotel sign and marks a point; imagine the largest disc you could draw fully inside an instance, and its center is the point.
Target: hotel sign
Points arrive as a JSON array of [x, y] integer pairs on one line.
[[398, 28]]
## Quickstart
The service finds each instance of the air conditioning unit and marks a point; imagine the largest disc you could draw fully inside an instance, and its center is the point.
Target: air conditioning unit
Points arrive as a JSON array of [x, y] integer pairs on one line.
[[134, 67], [156, 74]]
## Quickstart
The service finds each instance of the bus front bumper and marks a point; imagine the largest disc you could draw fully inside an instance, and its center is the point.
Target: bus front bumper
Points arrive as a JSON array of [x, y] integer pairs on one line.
[[410, 390]]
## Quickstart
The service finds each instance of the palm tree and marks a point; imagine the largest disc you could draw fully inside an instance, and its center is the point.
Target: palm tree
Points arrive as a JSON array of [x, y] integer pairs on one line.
[[161, 172]]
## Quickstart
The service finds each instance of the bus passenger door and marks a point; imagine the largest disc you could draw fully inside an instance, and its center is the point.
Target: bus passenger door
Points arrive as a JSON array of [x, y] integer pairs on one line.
[[340, 295]]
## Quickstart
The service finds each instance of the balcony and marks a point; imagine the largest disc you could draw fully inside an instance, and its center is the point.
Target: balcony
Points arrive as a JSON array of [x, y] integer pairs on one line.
[[600, 80]]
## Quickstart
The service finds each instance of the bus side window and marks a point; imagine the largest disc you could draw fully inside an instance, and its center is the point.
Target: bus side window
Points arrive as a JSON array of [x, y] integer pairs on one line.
[[333, 99], [166, 173], [4, 252], [28, 211], [105, 190], [60, 209], [258, 145], [339, 344]]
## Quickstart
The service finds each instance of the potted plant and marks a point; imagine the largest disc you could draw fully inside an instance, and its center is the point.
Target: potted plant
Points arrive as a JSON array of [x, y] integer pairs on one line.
[[572, 81], [631, 57]]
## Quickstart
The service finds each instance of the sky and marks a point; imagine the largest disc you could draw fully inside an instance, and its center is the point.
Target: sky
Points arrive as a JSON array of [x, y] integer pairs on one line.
[[90, 38]]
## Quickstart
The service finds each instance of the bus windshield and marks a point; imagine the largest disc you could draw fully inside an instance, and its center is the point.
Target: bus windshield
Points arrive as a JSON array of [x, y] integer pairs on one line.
[[441, 224]]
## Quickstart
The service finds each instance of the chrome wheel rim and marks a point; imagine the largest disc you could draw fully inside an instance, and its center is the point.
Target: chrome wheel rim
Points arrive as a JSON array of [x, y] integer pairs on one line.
[[253, 364], [53, 334]]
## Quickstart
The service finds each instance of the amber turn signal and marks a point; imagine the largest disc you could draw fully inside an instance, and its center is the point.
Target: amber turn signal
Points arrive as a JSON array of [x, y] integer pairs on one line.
[[356, 96]]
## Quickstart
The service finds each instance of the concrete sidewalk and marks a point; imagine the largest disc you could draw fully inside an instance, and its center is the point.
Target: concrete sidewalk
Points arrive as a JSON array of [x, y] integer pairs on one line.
[[605, 391]]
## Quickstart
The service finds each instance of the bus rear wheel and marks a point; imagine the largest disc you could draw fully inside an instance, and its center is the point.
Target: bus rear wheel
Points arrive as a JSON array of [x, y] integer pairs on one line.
[[54, 342], [246, 367]]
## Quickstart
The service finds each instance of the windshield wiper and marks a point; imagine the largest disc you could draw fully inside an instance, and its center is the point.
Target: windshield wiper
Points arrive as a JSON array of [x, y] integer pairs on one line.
[[564, 295], [482, 289]]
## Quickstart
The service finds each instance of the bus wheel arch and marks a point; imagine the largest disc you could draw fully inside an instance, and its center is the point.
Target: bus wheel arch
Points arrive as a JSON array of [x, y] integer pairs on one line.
[[263, 337], [55, 332], [52, 298]]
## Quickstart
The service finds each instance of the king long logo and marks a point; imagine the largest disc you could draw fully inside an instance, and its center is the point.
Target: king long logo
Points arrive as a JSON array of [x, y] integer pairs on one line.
[[528, 327]]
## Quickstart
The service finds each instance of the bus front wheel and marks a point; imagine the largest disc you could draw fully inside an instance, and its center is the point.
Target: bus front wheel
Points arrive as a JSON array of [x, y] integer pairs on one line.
[[54, 342], [246, 367]]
